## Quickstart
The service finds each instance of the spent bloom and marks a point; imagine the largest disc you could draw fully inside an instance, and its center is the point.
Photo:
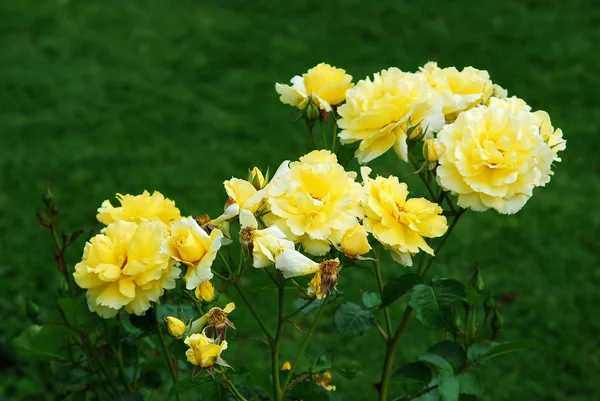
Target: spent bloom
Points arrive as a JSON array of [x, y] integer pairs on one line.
[[399, 223], [292, 263], [493, 157], [264, 244], [175, 327], [325, 85], [385, 112], [314, 201], [460, 90], [192, 246], [124, 268], [203, 351], [215, 318], [324, 380], [136, 208]]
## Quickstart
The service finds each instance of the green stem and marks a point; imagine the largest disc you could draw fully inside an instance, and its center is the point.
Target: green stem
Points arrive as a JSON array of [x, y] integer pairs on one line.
[[323, 134], [276, 342], [443, 241], [225, 263], [335, 126], [416, 166], [290, 373], [219, 275], [238, 396], [165, 349], [119, 358], [312, 136], [301, 308], [253, 311], [386, 312]]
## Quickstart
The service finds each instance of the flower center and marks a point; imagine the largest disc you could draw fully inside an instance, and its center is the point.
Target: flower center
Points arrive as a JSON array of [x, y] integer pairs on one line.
[[217, 317], [329, 267], [202, 219], [247, 233]]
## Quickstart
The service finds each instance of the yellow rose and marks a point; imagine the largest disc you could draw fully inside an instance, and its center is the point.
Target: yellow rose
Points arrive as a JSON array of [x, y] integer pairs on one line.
[[205, 292], [139, 207], [191, 245], [314, 201], [204, 352], [461, 90], [400, 224], [175, 327], [242, 195], [493, 157], [124, 268], [326, 85], [264, 244], [381, 113], [355, 241]]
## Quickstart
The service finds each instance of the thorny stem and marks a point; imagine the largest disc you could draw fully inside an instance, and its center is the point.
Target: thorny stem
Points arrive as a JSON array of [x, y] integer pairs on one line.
[[165, 349], [276, 342], [335, 126], [253, 311], [300, 309], [238, 396], [386, 312], [416, 165], [323, 134], [290, 373], [312, 136], [119, 358]]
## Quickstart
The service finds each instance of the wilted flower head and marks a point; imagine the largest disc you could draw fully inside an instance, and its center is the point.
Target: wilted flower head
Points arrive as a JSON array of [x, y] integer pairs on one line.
[[399, 223], [204, 352], [292, 263], [124, 268], [190, 244], [314, 201], [265, 244], [216, 318], [493, 157], [136, 208], [384, 112], [324, 84], [324, 380]]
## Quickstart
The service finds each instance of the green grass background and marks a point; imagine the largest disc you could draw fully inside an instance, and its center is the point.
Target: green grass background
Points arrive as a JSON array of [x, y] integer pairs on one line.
[[119, 96]]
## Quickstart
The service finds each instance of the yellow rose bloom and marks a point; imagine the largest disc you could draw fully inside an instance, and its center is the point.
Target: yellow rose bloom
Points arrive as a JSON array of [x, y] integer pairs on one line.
[[264, 244], [400, 224], [461, 90], [326, 85], [136, 208], [175, 327], [205, 292], [204, 352], [124, 268], [242, 195], [355, 242], [314, 201], [191, 245], [381, 112], [493, 157]]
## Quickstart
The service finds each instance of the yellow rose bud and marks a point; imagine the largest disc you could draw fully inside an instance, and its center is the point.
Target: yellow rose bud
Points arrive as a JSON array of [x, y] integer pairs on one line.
[[205, 292], [175, 326], [286, 366], [430, 151], [257, 179], [355, 241]]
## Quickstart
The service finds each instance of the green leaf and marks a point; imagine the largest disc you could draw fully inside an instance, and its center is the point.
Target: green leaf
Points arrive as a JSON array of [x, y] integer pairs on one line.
[[77, 313], [449, 387], [433, 304], [470, 384], [371, 299], [188, 384], [450, 351], [481, 352], [436, 360], [351, 320], [43, 342], [312, 306], [130, 397], [397, 287], [414, 371], [351, 370], [325, 362]]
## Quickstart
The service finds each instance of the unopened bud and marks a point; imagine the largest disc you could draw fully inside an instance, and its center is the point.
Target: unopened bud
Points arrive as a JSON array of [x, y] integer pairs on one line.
[[458, 323], [430, 152], [476, 281], [286, 366], [48, 196], [176, 327], [205, 292], [256, 178], [488, 303], [311, 113], [497, 323]]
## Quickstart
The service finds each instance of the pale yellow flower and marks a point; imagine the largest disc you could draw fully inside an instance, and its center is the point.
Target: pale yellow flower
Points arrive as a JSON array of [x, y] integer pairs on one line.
[[264, 244], [124, 268], [326, 85], [205, 292], [191, 245], [399, 223], [136, 208], [242, 196], [292, 263], [461, 90], [355, 242], [204, 352], [175, 327], [381, 113], [314, 201], [493, 157]]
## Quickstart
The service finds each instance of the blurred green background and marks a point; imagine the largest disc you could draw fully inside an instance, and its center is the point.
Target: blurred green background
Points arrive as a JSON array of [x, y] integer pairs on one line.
[[120, 96]]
